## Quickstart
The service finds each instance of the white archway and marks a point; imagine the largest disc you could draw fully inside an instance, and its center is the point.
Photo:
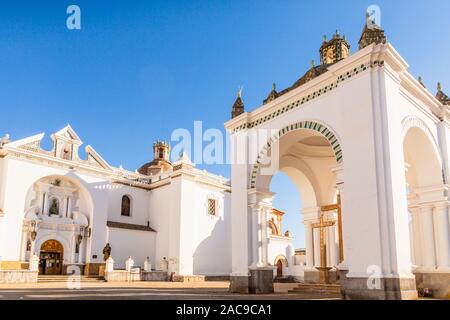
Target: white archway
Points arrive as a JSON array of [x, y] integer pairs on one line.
[[427, 198]]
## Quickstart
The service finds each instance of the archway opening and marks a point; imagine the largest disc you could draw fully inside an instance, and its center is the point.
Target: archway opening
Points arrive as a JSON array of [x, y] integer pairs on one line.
[[309, 159], [288, 236], [425, 194], [51, 258]]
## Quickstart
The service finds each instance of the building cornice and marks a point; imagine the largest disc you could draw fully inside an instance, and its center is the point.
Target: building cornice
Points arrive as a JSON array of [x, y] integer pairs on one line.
[[372, 56]]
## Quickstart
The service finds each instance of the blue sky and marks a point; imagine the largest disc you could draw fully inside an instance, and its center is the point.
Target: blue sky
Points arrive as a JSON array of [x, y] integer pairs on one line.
[[139, 69]]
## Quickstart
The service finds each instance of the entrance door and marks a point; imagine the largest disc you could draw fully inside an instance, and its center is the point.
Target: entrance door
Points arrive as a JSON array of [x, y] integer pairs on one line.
[[279, 269], [51, 258]]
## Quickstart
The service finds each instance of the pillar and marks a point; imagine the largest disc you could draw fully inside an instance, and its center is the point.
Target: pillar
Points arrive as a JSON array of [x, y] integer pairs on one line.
[[309, 245], [81, 252], [256, 236], [69, 206], [74, 246], [415, 236], [442, 240], [109, 265], [44, 208], [34, 263], [265, 236], [23, 248], [316, 237], [429, 255], [332, 247], [33, 242], [147, 265], [129, 263]]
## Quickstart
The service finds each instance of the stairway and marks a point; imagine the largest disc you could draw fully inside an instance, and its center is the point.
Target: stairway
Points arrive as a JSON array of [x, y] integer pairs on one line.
[[323, 289], [65, 278]]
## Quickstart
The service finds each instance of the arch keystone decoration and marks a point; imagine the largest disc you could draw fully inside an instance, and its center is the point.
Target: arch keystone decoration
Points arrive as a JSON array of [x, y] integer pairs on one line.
[[324, 130]]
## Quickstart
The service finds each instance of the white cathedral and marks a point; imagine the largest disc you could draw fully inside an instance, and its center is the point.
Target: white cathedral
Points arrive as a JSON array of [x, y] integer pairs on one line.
[[366, 144], [65, 210]]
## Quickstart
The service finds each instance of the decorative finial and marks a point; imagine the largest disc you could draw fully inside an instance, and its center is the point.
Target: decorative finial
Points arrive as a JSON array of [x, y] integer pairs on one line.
[[344, 37], [313, 63], [239, 93], [337, 32], [324, 38], [274, 86], [439, 86], [420, 79]]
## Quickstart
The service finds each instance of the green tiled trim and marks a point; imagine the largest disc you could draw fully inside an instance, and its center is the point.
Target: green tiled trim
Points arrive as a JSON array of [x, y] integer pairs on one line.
[[341, 78], [309, 125]]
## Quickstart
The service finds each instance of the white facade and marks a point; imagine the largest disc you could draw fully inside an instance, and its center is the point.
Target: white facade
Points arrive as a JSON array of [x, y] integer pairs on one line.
[[55, 195], [351, 128]]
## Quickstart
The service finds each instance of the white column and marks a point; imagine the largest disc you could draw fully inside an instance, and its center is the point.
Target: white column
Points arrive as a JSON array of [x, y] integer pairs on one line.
[[69, 206], [415, 236], [256, 236], [32, 248], [62, 211], [23, 248], [265, 236], [333, 246], [309, 245], [81, 252], [442, 240], [316, 237], [44, 209], [74, 246], [426, 218]]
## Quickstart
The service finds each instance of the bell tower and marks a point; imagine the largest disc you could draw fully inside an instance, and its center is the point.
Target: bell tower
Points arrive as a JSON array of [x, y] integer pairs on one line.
[[161, 150], [334, 50]]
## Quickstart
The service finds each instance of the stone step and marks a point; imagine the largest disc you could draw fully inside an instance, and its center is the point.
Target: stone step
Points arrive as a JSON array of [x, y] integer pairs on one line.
[[317, 288], [65, 278]]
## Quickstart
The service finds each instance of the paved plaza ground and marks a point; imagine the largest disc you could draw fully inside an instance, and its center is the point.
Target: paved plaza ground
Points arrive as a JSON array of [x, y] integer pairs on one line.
[[146, 291]]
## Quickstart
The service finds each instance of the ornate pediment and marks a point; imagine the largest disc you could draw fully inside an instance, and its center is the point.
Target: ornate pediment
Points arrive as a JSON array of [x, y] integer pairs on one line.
[[95, 159], [32, 143]]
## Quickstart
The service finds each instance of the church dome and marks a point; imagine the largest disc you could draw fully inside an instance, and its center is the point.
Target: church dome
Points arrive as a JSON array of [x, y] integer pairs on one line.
[[160, 162]]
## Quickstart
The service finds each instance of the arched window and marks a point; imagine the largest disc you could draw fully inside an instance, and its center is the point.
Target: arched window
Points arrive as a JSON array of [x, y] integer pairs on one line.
[[126, 206], [66, 153]]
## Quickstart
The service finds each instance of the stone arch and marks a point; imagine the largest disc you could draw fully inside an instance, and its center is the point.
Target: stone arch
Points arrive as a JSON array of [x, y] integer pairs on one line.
[[415, 122], [313, 125], [420, 145], [65, 243], [283, 260]]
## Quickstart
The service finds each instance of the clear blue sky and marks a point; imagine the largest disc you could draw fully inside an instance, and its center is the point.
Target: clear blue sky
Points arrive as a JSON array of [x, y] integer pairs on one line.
[[139, 69]]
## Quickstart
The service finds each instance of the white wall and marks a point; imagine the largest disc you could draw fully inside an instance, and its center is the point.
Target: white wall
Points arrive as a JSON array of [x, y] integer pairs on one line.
[[204, 239], [134, 243]]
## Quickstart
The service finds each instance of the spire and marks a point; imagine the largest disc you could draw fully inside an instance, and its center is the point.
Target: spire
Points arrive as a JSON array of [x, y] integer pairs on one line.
[[441, 96], [272, 95], [372, 33], [421, 81], [334, 50], [238, 106]]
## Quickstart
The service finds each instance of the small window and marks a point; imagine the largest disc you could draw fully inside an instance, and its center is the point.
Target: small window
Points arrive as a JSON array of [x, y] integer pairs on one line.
[[66, 153], [212, 206], [126, 206]]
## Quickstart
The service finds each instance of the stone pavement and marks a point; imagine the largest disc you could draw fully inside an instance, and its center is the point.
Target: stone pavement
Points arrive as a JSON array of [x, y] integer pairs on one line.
[[145, 291]]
